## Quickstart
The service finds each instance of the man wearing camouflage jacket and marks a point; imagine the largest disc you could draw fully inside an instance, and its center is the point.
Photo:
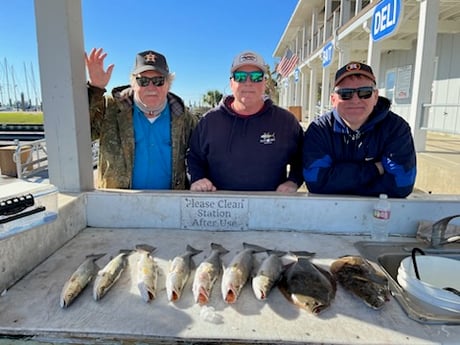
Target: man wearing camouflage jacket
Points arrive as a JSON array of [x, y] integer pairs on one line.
[[144, 129]]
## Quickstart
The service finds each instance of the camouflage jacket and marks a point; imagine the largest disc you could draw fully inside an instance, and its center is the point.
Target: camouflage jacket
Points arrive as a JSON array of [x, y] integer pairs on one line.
[[112, 122]]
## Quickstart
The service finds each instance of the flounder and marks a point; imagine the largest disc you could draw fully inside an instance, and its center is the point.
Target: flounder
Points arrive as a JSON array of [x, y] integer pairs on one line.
[[358, 276]]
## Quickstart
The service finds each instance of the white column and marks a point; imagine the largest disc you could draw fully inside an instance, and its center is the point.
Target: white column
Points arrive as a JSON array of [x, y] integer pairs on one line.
[[343, 50], [312, 93], [424, 68], [327, 14], [325, 90], [65, 100], [303, 93], [373, 57]]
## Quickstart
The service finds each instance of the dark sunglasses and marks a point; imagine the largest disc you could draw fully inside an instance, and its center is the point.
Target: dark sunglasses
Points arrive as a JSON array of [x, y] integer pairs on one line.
[[145, 81], [364, 92], [241, 77]]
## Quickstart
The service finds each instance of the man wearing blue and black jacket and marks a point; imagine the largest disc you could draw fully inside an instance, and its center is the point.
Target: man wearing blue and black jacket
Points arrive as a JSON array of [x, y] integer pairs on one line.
[[360, 147]]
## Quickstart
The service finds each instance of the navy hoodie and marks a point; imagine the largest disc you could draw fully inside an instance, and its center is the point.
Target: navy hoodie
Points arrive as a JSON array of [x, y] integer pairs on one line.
[[338, 160], [246, 153]]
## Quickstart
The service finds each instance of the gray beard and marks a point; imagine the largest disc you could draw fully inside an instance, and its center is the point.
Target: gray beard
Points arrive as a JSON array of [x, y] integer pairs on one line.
[[149, 111]]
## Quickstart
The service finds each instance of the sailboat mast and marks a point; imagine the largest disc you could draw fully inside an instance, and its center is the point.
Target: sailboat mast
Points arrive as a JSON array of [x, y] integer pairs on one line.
[[8, 84], [34, 86], [14, 87], [29, 102]]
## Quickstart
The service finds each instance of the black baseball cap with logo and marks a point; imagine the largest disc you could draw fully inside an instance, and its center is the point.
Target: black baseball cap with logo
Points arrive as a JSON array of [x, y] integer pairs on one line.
[[354, 68], [150, 60]]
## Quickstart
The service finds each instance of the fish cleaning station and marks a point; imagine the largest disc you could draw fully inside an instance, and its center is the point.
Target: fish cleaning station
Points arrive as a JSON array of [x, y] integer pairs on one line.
[[40, 252]]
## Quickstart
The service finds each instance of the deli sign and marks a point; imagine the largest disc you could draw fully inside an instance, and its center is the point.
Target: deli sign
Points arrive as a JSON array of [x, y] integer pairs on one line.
[[386, 18]]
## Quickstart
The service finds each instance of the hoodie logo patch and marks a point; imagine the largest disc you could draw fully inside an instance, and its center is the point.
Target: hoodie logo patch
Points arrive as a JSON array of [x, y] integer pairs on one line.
[[267, 138]]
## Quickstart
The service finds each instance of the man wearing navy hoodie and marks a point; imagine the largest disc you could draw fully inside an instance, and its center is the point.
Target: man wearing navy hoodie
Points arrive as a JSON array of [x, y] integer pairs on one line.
[[246, 143], [360, 147]]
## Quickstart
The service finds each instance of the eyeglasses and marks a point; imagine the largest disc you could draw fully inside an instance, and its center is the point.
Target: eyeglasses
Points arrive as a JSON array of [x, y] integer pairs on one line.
[[364, 92], [242, 77], [145, 81]]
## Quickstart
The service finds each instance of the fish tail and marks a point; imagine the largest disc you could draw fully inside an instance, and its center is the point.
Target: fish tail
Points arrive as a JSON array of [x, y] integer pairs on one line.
[[192, 250], [219, 248]]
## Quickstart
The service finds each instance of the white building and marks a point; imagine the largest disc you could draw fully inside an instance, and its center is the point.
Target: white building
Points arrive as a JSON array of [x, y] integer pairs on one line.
[[415, 64]]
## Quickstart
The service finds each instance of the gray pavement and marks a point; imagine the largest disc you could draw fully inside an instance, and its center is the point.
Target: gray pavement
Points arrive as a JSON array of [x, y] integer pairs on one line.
[[438, 167]]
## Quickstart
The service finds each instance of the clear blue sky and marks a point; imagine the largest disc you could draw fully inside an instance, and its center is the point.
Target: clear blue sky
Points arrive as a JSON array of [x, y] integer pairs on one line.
[[198, 38]]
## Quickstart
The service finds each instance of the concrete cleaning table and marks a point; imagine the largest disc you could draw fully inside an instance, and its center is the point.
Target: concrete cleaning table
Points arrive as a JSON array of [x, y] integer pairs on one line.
[[31, 306]]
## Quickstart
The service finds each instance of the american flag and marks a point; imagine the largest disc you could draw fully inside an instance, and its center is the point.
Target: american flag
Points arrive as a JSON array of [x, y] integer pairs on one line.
[[287, 63]]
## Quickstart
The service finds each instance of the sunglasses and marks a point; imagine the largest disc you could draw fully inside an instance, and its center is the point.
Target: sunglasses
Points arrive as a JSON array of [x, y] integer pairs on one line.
[[241, 77], [145, 81], [364, 92]]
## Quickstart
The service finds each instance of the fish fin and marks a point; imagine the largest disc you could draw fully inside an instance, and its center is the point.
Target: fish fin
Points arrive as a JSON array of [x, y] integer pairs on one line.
[[328, 275], [303, 254], [288, 260], [276, 252], [95, 257], [145, 248], [255, 248]]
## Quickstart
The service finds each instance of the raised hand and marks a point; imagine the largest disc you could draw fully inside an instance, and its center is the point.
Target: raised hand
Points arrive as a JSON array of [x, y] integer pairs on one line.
[[98, 77]]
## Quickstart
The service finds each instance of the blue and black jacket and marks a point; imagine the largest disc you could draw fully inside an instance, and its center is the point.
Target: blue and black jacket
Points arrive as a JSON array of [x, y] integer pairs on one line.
[[338, 160]]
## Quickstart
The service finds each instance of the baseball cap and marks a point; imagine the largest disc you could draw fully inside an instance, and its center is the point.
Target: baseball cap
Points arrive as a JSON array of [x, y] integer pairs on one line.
[[354, 68], [150, 60], [248, 58]]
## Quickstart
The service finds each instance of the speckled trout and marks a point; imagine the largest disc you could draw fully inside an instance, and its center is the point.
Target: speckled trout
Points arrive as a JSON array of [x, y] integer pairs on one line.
[[79, 279], [207, 273], [179, 272], [236, 274], [108, 276], [147, 272], [270, 270]]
